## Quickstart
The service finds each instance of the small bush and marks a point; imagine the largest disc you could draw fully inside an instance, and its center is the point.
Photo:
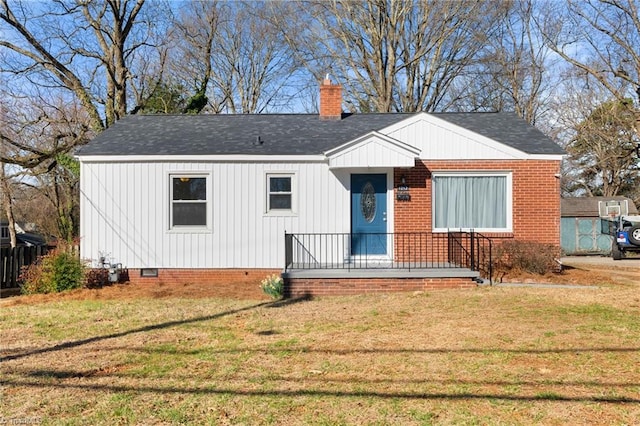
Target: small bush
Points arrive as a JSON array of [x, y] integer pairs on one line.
[[59, 270], [525, 256], [273, 286], [97, 277], [32, 278]]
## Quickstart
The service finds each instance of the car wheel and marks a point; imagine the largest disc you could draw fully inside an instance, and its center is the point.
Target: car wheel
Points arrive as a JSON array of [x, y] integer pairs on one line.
[[634, 235], [616, 253]]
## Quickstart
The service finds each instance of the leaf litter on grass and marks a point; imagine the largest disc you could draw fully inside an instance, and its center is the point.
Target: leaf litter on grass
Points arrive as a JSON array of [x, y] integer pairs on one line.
[[490, 355]]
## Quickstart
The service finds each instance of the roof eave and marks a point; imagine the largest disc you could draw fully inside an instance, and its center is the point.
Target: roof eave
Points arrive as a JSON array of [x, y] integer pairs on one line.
[[231, 158]]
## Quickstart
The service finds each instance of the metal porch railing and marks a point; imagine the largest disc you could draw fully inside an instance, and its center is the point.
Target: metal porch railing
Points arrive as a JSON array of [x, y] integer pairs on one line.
[[407, 251]]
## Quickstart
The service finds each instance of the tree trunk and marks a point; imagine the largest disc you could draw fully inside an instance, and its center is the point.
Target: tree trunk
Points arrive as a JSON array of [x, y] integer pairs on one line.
[[8, 205]]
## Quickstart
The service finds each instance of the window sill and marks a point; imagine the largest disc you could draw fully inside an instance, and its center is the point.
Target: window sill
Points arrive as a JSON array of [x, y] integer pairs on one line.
[[501, 232], [189, 230], [280, 213]]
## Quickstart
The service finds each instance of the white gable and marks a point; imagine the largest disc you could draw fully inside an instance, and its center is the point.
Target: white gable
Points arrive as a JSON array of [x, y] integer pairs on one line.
[[438, 139], [373, 150]]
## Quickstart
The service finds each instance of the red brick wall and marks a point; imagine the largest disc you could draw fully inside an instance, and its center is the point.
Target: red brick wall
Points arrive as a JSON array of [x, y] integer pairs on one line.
[[298, 287], [207, 276], [330, 101], [536, 197]]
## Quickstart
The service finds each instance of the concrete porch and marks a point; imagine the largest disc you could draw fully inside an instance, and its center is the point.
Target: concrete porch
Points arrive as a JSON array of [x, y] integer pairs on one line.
[[319, 282], [323, 264]]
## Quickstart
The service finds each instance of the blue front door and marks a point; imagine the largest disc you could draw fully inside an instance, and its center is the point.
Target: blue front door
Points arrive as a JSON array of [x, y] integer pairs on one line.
[[368, 214]]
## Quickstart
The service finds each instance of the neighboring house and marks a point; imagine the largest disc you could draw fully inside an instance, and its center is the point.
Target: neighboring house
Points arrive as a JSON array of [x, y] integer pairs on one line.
[[5, 239], [581, 228], [22, 238], [210, 197]]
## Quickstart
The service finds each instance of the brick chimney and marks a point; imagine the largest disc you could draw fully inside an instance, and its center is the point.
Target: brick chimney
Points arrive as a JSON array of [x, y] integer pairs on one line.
[[330, 100]]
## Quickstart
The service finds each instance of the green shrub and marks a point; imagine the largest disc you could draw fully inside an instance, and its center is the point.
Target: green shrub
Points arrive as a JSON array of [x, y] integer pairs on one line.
[[59, 270], [525, 256], [273, 286]]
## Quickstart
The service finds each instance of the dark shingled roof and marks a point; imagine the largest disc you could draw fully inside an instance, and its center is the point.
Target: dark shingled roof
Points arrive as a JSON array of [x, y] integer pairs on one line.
[[588, 206], [286, 134]]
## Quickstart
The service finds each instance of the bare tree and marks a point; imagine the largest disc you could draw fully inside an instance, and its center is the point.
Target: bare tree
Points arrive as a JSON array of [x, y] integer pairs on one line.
[[111, 22], [232, 57], [603, 152], [36, 130], [60, 186], [197, 27], [86, 47], [513, 71], [7, 204], [38, 136], [33, 55], [398, 55], [599, 38]]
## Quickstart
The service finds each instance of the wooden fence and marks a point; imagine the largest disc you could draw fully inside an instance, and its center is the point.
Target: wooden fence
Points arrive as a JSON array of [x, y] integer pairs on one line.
[[13, 259]]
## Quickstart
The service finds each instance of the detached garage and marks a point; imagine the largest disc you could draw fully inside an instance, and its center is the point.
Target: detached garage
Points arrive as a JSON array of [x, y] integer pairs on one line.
[[580, 225]]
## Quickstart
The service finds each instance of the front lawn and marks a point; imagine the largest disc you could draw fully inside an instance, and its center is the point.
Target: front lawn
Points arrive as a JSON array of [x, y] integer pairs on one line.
[[484, 356]]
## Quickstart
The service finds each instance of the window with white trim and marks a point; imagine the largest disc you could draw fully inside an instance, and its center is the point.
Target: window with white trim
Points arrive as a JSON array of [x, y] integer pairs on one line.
[[479, 201], [280, 192], [188, 201]]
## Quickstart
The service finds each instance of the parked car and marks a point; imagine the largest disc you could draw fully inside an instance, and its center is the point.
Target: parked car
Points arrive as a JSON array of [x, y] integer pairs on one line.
[[625, 230]]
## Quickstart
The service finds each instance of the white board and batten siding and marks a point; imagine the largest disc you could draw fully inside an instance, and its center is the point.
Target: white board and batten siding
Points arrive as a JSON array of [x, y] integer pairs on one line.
[[125, 202], [125, 213], [438, 139], [373, 150]]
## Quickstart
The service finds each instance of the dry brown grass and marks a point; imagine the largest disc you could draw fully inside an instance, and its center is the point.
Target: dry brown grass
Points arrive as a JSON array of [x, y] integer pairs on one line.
[[486, 356]]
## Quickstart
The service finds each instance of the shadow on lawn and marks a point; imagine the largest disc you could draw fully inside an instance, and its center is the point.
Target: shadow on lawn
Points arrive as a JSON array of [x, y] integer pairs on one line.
[[543, 396], [33, 378], [320, 378], [76, 343]]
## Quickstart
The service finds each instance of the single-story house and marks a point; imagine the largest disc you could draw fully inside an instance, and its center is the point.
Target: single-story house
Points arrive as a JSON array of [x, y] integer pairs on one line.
[[23, 238], [341, 202], [581, 227]]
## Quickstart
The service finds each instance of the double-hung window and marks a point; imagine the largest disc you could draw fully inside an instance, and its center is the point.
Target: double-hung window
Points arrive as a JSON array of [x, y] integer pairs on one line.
[[479, 201], [280, 193], [188, 201]]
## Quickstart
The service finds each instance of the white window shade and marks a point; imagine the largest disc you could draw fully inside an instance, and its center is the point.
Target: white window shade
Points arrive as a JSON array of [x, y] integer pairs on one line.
[[480, 202]]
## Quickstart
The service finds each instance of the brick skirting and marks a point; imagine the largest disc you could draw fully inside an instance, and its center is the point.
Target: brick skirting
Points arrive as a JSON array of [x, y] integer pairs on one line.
[[296, 287], [208, 276]]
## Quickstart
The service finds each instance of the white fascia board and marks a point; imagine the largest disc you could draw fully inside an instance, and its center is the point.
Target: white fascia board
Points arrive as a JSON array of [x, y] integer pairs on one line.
[[547, 157], [372, 150], [236, 158], [394, 143], [466, 133]]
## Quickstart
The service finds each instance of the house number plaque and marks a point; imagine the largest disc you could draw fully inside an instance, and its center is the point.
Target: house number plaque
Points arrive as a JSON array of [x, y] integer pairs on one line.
[[402, 194]]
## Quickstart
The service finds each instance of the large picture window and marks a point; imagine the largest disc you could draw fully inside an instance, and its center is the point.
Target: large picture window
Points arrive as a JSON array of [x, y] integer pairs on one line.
[[472, 201], [188, 201], [280, 190]]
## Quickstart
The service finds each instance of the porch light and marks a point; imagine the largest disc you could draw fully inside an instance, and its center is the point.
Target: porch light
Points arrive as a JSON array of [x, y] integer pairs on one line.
[[403, 180]]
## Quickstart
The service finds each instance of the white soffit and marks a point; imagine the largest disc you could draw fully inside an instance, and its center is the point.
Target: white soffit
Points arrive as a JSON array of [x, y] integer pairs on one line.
[[373, 150], [439, 139]]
